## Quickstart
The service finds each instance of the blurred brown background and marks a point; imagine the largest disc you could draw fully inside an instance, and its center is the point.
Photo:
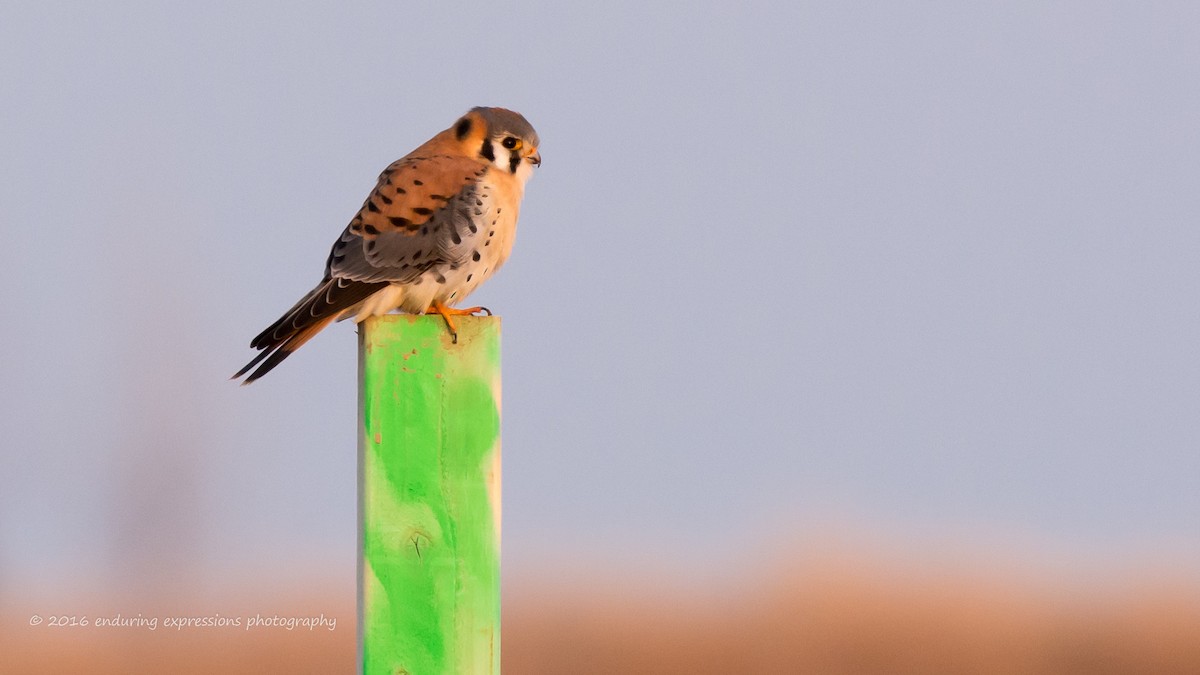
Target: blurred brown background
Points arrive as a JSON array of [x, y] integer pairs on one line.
[[843, 614]]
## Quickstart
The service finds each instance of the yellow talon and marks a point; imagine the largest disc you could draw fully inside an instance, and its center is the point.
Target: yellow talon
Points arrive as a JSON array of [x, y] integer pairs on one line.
[[447, 312]]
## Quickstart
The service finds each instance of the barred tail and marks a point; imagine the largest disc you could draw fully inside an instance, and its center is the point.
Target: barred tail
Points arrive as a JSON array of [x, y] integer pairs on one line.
[[328, 301]]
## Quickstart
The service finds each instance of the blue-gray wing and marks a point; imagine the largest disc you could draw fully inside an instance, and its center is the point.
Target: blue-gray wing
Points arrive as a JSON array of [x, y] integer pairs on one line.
[[422, 214]]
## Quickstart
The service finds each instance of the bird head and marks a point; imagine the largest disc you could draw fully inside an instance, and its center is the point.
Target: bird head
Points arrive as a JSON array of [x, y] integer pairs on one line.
[[500, 137]]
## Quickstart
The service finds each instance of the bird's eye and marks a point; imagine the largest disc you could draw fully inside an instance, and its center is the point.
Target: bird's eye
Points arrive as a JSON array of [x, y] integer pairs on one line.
[[511, 143]]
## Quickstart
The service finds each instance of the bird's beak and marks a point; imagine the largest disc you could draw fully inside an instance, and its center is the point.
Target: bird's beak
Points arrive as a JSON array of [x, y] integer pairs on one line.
[[535, 158]]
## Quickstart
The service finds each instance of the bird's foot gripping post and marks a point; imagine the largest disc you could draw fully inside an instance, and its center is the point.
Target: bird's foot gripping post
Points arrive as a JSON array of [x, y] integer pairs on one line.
[[429, 496], [447, 312]]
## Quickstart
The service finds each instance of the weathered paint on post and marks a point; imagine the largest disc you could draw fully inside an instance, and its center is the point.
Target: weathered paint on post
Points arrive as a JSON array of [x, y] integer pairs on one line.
[[429, 496]]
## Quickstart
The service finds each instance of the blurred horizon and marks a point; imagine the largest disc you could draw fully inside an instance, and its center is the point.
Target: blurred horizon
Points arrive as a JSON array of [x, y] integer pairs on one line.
[[849, 611]]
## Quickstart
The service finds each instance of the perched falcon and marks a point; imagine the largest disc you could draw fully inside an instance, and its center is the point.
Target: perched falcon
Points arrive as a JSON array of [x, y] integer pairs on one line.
[[439, 222]]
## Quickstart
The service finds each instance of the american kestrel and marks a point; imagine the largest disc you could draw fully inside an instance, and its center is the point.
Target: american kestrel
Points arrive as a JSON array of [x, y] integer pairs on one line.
[[439, 222]]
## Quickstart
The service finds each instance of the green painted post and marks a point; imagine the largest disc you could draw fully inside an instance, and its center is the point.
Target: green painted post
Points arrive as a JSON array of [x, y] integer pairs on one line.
[[429, 496]]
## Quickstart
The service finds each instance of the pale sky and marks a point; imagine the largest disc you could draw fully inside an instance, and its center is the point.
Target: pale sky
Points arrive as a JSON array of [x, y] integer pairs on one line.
[[920, 268]]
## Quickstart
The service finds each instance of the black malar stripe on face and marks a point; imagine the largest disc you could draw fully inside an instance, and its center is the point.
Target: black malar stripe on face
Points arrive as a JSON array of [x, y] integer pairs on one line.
[[514, 160]]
